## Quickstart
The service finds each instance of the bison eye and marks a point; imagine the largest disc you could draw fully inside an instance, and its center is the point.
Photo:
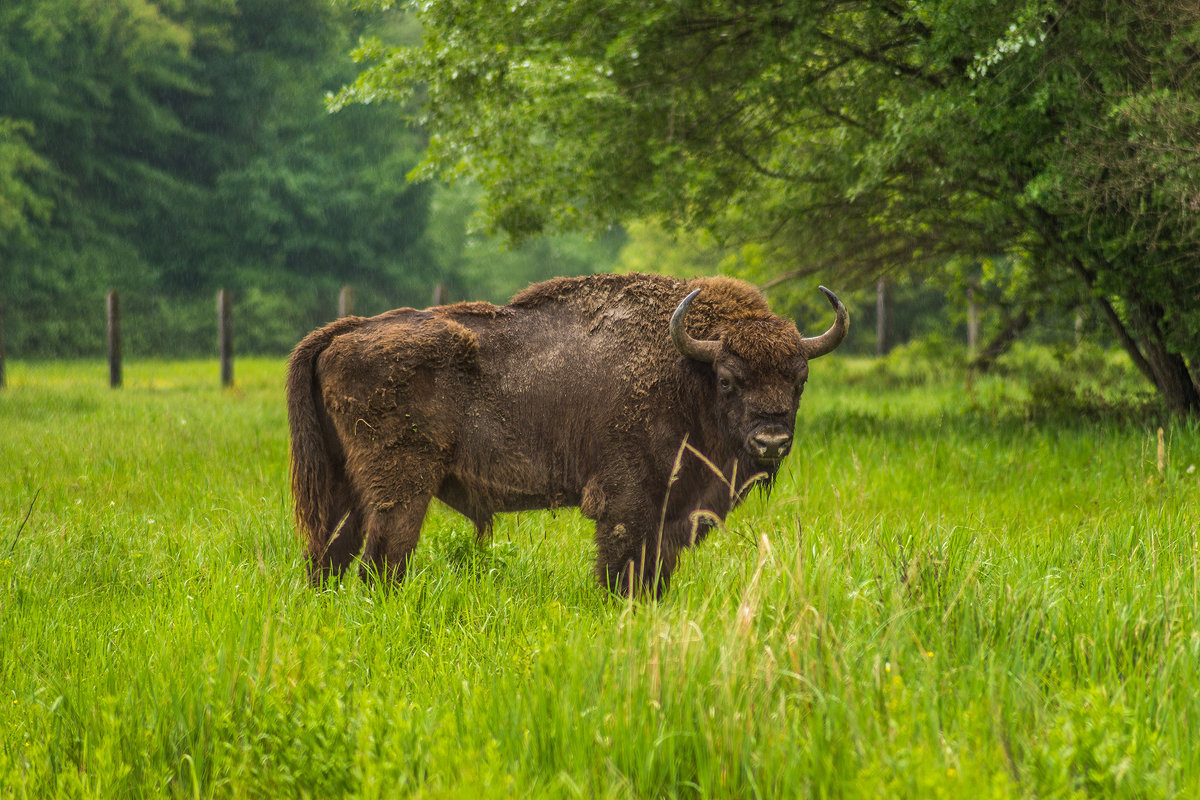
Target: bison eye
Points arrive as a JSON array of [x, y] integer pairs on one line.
[[726, 384]]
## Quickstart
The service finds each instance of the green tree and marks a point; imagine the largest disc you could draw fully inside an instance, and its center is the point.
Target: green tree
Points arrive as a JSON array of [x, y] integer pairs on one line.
[[19, 201], [476, 265], [865, 135], [166, 148]]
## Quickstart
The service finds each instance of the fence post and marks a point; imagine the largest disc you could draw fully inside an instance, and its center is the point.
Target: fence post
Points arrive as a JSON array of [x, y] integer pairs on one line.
[[972, 319], [439, 294], [114, 339], [225, 337], [346, 301], [1, 345]]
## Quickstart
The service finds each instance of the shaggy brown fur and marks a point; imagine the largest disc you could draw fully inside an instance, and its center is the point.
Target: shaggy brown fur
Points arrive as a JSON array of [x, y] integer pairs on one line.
[[572, 395]]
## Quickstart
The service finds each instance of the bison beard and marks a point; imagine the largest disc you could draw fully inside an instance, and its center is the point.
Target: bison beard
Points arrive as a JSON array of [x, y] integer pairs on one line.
[[646, 401]]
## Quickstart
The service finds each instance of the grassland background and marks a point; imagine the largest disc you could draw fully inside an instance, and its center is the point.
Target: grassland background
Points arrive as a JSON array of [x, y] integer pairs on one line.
[[947, 595]]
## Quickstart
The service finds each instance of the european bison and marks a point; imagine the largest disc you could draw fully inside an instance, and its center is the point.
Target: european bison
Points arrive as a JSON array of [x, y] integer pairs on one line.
[[650, 403]]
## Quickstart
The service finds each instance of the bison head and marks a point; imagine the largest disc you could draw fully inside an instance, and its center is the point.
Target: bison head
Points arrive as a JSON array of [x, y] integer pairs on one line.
[[759, 365]]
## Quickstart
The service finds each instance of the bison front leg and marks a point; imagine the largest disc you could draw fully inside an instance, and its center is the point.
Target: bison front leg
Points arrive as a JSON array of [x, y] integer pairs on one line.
[[392, 534], [395, 485], [633, 561]]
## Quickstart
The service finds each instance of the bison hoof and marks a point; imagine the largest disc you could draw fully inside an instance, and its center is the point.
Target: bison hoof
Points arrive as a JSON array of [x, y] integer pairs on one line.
[[630, 582]]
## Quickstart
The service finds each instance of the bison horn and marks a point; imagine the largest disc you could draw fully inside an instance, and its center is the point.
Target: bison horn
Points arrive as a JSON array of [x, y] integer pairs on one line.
[[815, 346], [698, 349]]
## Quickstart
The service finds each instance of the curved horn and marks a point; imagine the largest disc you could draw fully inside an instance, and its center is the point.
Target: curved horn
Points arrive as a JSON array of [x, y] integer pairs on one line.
[[698, 349], [815, 346]]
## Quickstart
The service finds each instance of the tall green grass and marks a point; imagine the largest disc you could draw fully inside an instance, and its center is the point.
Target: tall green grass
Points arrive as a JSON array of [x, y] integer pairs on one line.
[[941, 598]]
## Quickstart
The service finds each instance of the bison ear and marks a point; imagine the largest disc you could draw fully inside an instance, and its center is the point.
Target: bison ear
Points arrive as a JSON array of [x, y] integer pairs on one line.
[[697, 349], [827, 342]]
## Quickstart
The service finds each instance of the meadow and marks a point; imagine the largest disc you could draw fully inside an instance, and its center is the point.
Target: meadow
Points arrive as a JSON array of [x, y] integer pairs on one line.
[[946, 595]]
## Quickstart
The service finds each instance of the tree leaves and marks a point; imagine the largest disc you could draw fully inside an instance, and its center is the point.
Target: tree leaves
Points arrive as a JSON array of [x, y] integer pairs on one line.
[[872, 135]]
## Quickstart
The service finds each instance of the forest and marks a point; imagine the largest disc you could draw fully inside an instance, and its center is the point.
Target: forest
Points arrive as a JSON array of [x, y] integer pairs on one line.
[[1036, 157], [169, 149]]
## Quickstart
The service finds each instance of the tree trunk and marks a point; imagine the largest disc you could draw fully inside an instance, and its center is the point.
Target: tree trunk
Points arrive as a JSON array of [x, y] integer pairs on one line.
[[1171, 374], [998, 346], [1168, 371], [1175, 383], [882, 306], [1143, 339]]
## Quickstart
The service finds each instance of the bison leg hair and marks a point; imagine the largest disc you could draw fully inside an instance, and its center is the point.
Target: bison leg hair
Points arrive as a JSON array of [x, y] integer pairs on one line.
[[338, 554], [392, 535], [632, 564], [483, 531]]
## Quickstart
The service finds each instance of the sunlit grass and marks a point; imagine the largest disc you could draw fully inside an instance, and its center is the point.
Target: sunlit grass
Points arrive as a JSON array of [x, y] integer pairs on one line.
[[940, 598]]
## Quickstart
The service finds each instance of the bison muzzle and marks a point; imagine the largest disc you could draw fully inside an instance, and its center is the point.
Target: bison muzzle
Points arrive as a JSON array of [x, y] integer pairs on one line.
[[650, 403]]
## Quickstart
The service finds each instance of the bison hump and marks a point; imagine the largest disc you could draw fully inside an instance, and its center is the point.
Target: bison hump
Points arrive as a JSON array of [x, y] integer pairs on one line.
[[397, 344], [436, 341]]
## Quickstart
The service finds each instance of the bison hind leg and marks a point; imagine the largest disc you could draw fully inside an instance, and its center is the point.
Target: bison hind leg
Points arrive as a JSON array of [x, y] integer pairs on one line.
[[339, 552], [483, 530]]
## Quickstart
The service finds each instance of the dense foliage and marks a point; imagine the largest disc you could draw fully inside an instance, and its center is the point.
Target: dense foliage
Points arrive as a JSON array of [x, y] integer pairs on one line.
[[166, 149], [1056, 138]]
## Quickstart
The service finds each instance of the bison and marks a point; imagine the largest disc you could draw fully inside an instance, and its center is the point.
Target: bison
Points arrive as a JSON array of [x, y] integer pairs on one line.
[[648, 402]]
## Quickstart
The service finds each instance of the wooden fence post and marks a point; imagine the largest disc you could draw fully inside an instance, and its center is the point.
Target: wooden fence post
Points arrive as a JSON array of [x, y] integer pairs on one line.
[[225, 337], [346, 301], [439, 294], [114, 339], [1, 345]]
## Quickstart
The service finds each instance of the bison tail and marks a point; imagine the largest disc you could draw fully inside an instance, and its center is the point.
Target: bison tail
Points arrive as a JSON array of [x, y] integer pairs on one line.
[[319, 484]]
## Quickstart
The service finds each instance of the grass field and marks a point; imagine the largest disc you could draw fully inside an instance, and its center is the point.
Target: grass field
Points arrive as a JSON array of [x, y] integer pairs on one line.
[[941, 598]]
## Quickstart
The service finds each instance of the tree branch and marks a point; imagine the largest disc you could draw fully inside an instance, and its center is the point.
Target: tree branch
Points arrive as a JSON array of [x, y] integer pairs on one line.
[[876, 57]]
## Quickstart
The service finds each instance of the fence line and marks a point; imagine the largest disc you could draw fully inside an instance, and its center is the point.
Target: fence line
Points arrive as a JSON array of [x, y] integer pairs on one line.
[[345, 307]]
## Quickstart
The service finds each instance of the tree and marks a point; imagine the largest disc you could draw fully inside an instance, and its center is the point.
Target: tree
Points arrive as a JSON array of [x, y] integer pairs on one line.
[[19, 201], [166, 148], [478, 266], [858, 135]]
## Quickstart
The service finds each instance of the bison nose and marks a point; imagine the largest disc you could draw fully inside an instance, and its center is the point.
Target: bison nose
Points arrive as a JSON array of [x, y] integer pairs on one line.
[[771, 446]]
